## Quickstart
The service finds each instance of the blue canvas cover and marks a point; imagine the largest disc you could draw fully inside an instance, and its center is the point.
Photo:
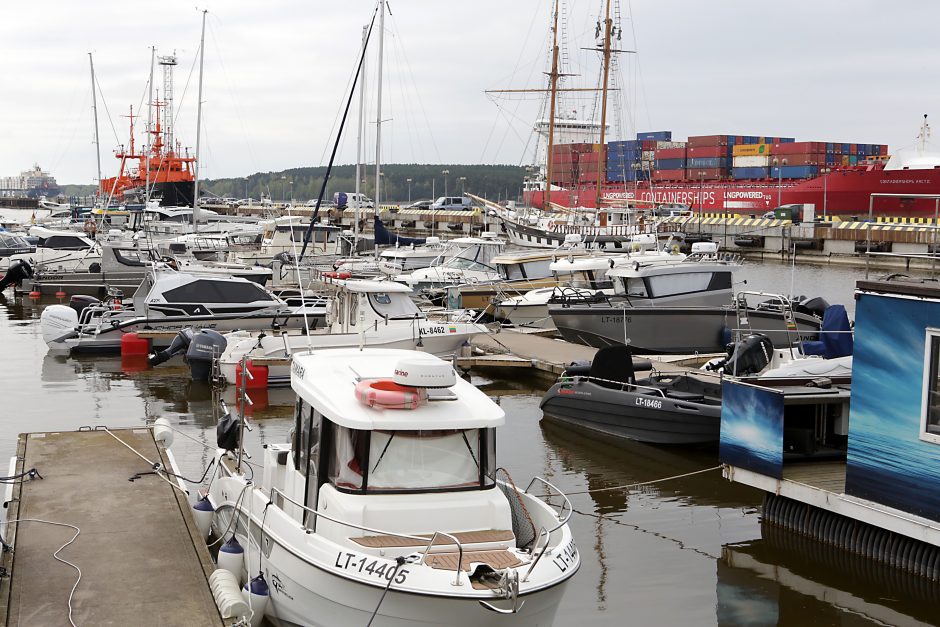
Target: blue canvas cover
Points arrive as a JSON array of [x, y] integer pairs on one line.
[[384, 237], [835, 333]]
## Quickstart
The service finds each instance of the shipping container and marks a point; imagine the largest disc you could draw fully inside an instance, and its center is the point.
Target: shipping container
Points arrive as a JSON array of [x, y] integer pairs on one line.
[[708, 162], [668, 175], [799, 148], [670, 164], [662, 145], [809, 159], [883, 149], [749, 172], [759, 161], [706, 174], [670, 153], [794, 172], [750, 150], [698, 141], [648, 155], [697, 152], [655, 135]]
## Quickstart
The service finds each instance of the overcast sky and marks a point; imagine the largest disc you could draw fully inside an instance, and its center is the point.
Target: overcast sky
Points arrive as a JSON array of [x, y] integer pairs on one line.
[[277, 74]]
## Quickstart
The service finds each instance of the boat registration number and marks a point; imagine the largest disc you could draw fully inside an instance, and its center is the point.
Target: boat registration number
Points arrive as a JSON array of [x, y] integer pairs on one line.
[[380, 569], [433, 330], [651, 403], [567, 557]]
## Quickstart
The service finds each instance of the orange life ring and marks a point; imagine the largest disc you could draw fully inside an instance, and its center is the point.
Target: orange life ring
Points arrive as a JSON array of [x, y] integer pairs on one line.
[[337, 275], [386, 394]]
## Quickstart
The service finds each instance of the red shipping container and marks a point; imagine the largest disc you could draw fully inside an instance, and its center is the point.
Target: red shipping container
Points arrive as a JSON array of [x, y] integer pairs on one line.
[[837, 149], [707, 152], [853, 149], [707, 140], [799, 148], [648, 144], [565, 158], [668, 175], [590, 157], [670, 153], [807, 159], [883, 149], [708, 174]]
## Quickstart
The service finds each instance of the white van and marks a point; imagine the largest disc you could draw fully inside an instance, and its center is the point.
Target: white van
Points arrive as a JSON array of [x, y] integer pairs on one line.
[[352, 200], [452, 203]]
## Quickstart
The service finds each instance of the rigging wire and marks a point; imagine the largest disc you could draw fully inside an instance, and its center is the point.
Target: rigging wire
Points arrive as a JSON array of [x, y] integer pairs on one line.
[[104, 102]]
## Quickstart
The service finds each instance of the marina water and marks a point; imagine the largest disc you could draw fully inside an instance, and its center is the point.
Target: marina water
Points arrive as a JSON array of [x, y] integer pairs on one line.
[[689, 551]]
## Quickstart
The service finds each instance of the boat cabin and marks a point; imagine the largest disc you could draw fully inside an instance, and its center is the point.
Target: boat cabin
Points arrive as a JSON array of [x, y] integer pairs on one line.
[[60, 240], [591, 272], [359, 304], [877, 462], [171, 293], [380, 434], [688, 281]]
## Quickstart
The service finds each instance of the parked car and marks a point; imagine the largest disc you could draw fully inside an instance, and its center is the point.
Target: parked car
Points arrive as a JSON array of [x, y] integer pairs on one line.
[[421, 204], [452, 203]]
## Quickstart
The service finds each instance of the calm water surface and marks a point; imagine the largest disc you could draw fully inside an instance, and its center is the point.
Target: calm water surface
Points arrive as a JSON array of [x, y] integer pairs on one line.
[[684, 552]]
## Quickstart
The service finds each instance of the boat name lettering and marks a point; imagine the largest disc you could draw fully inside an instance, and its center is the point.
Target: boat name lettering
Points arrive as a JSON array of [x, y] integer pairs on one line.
[[615, 319], [680, 197], [649, 402], [904, 181], [401, 373], [297, 369], [380, 569], [433, 330], [751, 195], [567, 557]]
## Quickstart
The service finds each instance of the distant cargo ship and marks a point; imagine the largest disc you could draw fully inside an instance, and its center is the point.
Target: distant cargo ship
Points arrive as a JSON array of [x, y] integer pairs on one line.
[[741, 174], [32, 183]]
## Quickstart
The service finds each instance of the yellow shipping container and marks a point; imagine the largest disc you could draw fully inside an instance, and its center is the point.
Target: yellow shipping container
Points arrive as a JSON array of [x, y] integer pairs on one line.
[[751, 150]]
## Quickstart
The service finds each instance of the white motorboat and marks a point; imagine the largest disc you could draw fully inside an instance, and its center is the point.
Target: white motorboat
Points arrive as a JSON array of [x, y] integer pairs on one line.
[[387, 504], [577, 277], [285, 234], [60, 251], [362, 313], [169, 301]]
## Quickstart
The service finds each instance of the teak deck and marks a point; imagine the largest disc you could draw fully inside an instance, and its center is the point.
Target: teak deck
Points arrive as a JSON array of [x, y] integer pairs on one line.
[[143, 561]]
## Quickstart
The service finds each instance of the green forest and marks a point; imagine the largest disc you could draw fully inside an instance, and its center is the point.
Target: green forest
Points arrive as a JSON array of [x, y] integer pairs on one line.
[[494, 182]]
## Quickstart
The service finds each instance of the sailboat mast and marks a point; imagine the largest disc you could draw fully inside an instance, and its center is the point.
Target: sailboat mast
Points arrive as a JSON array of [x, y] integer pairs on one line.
[[553, 80], [362, 104], [94, 109], [202, 49], [607, 29], [378, 114], [146, 162]]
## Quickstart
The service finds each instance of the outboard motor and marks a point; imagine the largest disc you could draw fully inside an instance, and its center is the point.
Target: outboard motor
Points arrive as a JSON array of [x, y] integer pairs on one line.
[[58, 322], [206, 346], [178, 346], [18, 271], [816, 306], [749, 356], [80, 302]]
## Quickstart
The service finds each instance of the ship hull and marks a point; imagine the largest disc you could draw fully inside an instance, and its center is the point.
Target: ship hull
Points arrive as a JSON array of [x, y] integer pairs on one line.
[[844, 192]]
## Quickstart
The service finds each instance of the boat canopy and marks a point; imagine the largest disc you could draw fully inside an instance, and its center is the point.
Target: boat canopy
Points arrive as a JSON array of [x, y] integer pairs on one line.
[[327, 380]]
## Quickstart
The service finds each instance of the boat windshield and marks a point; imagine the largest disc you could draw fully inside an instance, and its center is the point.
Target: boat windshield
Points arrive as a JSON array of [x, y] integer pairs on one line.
[[462, 263], [394, 306], [411, 461]]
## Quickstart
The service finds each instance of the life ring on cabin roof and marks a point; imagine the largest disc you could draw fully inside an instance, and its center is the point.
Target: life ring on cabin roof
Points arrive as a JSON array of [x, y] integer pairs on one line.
[[386, 394], [337, 275]]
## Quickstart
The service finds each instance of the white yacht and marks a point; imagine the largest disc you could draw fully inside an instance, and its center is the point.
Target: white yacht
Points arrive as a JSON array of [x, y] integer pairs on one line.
[[387, 503], [60, 251], [362, 313]]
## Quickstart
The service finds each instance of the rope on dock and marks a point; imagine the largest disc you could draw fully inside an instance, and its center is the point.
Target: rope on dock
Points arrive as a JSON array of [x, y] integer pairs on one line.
[[642, 483]]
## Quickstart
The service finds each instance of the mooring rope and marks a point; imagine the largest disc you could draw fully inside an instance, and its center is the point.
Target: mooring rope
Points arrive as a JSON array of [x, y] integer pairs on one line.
[[642, 483]]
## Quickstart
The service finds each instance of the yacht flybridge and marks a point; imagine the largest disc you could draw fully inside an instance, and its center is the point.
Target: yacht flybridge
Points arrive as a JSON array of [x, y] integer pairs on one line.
[[388, 502]]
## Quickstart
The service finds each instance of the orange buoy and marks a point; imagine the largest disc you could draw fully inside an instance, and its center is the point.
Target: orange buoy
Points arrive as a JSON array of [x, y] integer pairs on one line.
[[35, 294], [258, 379], [386, 394], [133, 344], [60, 294]]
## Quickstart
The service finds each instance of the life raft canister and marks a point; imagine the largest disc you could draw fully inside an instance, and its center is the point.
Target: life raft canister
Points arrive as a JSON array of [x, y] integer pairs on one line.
[[386, 394]]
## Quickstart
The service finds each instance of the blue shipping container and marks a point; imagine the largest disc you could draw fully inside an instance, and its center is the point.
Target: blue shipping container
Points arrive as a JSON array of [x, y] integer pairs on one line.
[[660, 136], [846, 148], [787, 140], [708, 162], [794, 172], [627, 143], [749, 173], [670, 164]]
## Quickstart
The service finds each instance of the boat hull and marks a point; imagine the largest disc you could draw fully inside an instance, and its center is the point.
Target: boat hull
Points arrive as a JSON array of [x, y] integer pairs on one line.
[[672, 330]]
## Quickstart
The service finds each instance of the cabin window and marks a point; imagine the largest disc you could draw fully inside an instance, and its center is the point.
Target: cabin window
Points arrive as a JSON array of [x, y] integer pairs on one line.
[[930, 413], [424, 460], [636, 287], [511, 272], [537, 269], [206, 291], [398, 307], [349, 458], [685, 283]]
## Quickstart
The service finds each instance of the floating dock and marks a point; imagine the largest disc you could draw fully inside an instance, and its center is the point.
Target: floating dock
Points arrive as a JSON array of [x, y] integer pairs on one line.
[[142, 560]]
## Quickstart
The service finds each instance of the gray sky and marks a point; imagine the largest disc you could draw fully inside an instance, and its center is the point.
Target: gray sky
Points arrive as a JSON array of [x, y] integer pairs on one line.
[[277, 74]]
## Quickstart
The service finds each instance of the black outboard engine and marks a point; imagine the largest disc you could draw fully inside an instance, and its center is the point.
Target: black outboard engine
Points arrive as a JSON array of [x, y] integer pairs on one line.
[[228, 432], [206, 346], [18, 271], [816, 306], [580, 368], [80, 302], [177, 347], [749, 356]]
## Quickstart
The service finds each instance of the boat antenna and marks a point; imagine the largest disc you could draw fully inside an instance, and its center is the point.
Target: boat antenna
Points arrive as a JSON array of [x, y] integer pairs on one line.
[[202, 51], [94, 109], [146, 162], [339, 134], [359, 137]]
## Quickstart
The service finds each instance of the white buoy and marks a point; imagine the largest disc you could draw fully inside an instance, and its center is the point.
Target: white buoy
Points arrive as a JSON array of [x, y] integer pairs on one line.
[[202, 515], [227, 593], [232, 558], [163, 432], [256, 593]]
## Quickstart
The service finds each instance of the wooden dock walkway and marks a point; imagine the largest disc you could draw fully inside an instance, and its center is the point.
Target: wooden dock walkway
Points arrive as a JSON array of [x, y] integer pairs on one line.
[[142, 559]]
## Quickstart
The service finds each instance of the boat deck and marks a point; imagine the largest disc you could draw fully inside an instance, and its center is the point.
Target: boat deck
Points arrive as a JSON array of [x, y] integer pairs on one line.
[[143, 562], [829, 476]]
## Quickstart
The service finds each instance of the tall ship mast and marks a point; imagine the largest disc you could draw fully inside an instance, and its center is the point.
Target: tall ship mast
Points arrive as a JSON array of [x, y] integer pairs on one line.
[[164, 164]]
